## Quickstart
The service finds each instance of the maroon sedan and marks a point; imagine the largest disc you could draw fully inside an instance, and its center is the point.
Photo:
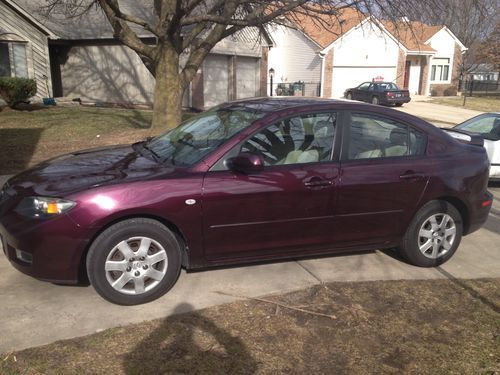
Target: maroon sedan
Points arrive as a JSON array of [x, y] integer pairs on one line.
[[246, 181]]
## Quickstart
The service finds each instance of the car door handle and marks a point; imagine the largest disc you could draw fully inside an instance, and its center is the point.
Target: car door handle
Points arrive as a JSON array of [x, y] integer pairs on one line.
[[317, 182], [410, 175]]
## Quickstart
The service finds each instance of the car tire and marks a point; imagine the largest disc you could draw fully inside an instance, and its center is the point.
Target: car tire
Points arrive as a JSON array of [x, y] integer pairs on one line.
[[348, 96], [134, 261], [399, 104], [433, 236], [375, 100]]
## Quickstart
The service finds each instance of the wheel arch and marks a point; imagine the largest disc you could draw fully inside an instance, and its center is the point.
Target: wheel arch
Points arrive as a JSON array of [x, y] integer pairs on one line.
[[82, 269], [462, 209]]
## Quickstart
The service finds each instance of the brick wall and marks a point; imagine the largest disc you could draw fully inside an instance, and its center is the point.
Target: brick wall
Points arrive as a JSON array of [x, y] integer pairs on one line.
[[328, 75], [400, 70], [263, 71], [197, 90], [424, 75]]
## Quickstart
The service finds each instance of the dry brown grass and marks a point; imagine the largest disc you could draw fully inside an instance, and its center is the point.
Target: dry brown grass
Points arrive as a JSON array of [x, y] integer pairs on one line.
[[389, 327]]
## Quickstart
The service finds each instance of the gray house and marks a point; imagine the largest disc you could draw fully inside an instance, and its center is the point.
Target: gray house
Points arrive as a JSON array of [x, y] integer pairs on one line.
[[24, 46], [81, 58]]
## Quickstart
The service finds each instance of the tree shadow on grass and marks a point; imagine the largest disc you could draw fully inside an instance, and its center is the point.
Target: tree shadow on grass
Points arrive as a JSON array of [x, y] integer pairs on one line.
[[17, 146], [189, 344]]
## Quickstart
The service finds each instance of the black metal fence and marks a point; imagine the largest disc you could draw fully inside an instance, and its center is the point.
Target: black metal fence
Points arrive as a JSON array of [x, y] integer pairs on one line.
[[298, 88], [480, 88]]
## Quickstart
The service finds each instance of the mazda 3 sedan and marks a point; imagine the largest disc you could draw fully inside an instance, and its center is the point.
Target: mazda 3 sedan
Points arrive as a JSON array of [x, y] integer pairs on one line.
[[246, 181]]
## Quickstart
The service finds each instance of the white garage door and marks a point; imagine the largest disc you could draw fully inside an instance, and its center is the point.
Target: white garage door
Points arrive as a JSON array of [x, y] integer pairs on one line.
[[215, 80], [344, 78], [247, 77]]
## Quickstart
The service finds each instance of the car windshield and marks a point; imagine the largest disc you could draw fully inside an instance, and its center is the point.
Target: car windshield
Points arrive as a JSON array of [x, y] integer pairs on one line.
[[487, 126], [388, 86], [197, 137]]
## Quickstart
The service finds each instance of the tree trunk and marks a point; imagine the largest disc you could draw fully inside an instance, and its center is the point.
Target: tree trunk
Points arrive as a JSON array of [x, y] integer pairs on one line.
[[169, 90]]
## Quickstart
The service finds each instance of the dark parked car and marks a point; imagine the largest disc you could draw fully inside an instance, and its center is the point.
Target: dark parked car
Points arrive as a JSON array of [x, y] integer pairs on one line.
[[247, 181], [379, 93]]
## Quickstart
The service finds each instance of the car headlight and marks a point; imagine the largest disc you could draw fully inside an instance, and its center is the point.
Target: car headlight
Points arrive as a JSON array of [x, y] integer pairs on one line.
[[44, 207]]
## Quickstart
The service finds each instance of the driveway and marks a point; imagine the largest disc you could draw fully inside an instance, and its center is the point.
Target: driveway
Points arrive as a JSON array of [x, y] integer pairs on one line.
[[440, 115], [33, 312]]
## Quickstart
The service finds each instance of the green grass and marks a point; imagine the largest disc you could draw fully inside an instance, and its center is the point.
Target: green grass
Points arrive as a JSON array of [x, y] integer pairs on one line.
[[483, 104], [386, 327]]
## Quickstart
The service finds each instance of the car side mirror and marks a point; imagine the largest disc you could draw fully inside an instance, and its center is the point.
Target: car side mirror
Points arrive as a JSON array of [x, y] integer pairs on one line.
[[246, 162]]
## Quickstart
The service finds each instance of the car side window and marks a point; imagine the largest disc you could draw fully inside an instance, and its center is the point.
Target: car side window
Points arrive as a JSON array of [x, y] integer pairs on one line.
[[364, 86], [297, 140], [379, 137]]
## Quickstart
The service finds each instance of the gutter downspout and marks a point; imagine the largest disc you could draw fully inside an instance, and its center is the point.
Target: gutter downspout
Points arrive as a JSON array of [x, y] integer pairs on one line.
[[322, 74]]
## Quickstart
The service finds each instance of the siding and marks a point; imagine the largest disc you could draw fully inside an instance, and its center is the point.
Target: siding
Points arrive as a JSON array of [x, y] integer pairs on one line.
[[106, 73], [295, 57], [36, 49]]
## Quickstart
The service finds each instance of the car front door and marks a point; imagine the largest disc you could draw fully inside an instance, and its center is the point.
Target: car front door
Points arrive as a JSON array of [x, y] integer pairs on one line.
[[288, 205], [360, 93], [383, 168]]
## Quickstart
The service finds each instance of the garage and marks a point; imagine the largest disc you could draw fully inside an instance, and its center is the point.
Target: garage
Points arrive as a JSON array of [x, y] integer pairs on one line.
[[347, 77], [247, 77], [216, 80]]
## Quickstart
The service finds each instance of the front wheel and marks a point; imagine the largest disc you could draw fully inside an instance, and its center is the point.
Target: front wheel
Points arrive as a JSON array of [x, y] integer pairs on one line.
[[134, 261], [399, 104], [375, 100], [433, 235]]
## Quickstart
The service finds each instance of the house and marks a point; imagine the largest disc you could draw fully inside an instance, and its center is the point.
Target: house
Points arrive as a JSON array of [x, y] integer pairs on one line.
[[24, 50], [78, 57], [344, 51], [485, 72]]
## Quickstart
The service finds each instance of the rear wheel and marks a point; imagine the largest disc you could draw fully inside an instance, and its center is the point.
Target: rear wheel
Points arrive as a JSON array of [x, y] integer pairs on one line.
[[399, 104], [134, 261], [375, 100], [349, 96], [433, 236]]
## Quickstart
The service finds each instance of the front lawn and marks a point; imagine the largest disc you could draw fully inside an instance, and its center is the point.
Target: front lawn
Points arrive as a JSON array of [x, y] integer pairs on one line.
[[385, 327], [483, 104], [29, 137]]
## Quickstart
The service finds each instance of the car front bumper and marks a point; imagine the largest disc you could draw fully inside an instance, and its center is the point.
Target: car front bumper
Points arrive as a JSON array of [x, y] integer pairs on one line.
[[47, 249], [495, 172]]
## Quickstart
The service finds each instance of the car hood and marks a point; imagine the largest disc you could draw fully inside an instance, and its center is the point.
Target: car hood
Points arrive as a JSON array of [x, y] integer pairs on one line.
[[81, 170]]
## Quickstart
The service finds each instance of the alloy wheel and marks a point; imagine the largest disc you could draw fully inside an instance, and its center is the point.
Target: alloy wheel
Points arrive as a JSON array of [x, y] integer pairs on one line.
[[136, 265], [437, 235]]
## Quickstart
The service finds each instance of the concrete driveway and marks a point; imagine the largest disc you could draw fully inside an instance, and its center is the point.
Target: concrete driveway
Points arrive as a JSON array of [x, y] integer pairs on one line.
[[440, 115], [33, 312]]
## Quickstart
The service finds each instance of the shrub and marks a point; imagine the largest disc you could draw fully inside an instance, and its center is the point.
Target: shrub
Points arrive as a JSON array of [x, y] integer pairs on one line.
[[14, 90], [450, 91]]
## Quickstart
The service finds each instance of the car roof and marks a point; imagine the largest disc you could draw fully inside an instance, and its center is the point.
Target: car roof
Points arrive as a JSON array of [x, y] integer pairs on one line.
[[273, 104]]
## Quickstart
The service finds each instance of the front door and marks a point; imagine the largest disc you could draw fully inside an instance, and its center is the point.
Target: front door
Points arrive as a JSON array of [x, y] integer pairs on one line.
[[382, 179], [286, 206]]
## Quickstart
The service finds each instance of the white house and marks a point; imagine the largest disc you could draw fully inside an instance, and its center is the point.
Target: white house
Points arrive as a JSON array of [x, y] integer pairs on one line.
[[353, 48]]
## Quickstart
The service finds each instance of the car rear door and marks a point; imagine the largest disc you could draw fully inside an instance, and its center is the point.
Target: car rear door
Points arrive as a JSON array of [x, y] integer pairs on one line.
[[383, 177], [286, 206]]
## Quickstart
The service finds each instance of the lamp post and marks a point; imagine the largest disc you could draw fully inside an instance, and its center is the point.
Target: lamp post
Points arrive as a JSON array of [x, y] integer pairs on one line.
[[271, 76]]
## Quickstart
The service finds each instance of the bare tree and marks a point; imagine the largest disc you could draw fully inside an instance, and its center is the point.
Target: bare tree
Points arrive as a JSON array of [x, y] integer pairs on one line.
[[194, 27], [489, 50], [470, 20]]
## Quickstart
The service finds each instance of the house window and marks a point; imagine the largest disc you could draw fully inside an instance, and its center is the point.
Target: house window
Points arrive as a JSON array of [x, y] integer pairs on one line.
[[13, 60], [440, 70]]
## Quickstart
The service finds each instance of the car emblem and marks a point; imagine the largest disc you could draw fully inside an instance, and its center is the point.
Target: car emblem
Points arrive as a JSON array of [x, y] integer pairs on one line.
[[190, 202]]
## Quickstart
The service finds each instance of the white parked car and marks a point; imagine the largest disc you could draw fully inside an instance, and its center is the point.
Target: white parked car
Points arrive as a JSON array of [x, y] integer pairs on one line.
[[488, 126]]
